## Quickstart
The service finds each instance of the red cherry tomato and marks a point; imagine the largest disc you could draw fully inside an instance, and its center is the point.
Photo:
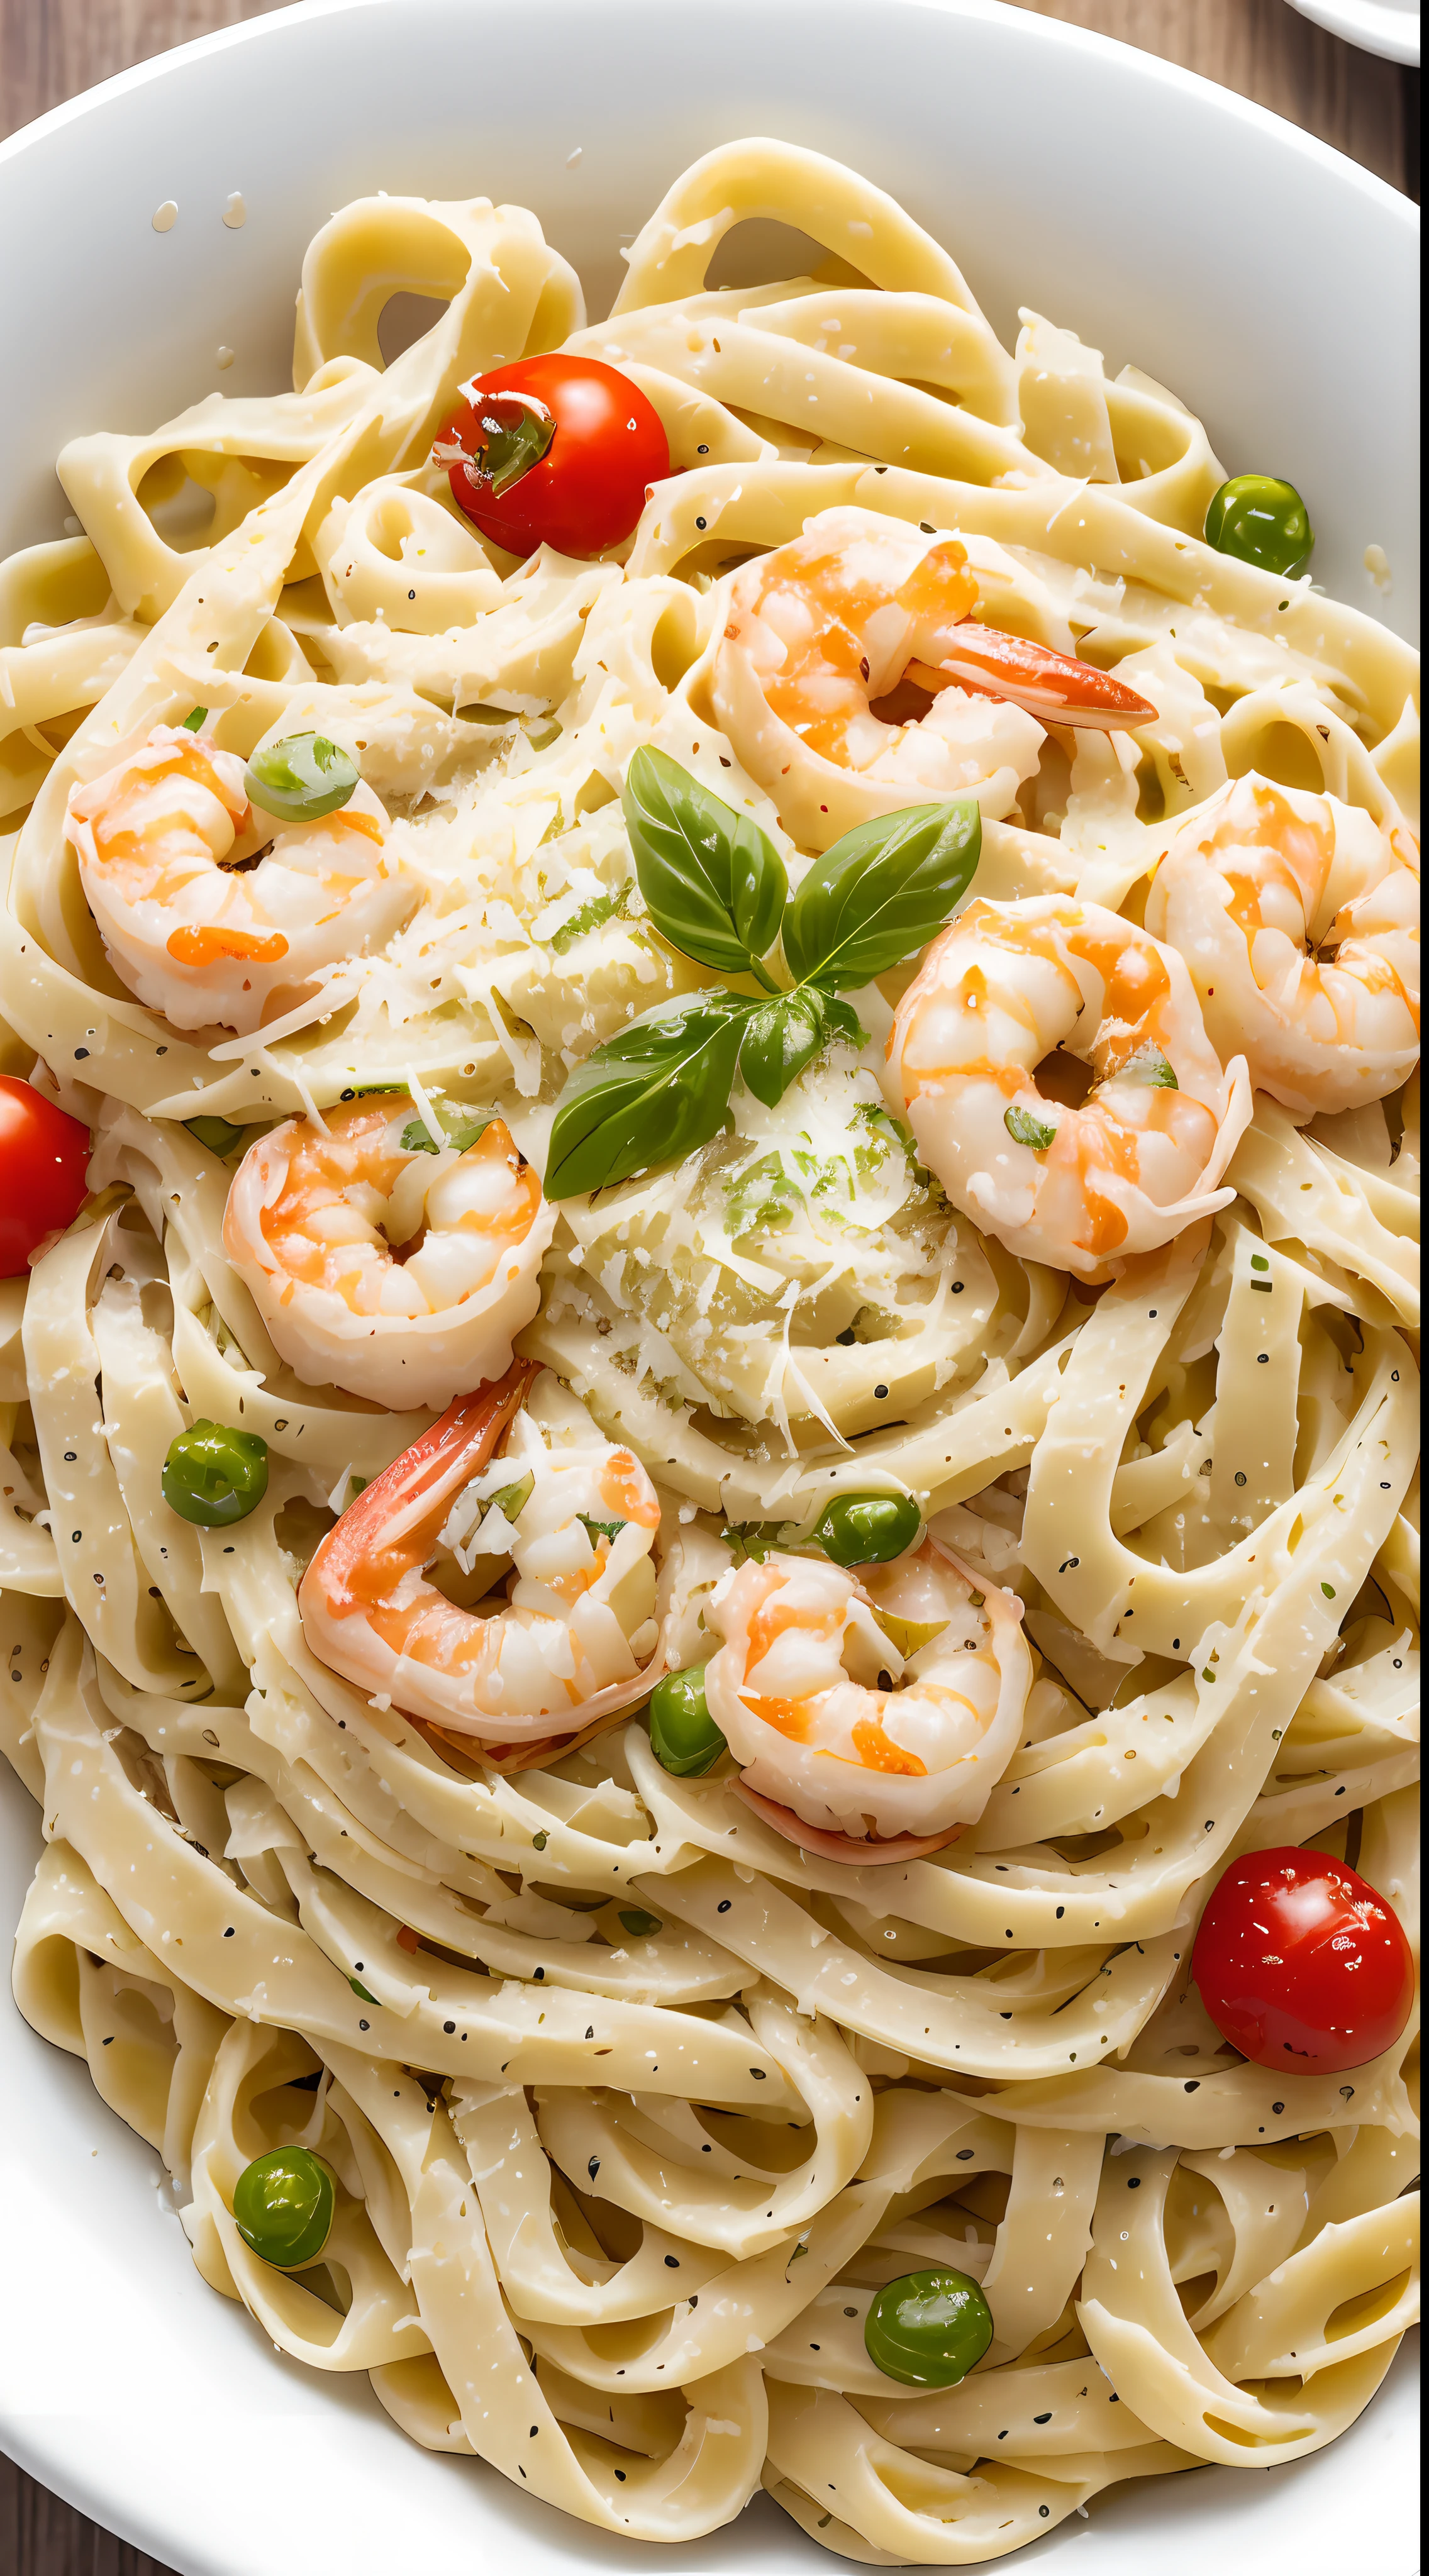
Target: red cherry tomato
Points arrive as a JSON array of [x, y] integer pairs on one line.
[[588, 490], [1301, 1965], [43, 1156]]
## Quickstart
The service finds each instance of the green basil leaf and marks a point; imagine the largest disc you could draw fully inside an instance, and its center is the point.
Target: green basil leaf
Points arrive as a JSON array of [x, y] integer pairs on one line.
[[1150, 1068], [650, 1095], [713, 882], [1024, 1129], [880, 893], [842, 1021], [780, 1039]]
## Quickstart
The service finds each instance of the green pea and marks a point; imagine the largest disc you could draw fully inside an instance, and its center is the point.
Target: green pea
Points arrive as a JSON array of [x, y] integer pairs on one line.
[[1262, 520], [928, 2329], [639, 1925], [301, 778], [867, 1529], [216, 1135], [284, 2206], [214, 1476], [683, 1735]]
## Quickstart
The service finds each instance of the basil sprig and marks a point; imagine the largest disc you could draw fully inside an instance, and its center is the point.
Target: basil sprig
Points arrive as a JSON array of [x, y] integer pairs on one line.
[[714, 886]]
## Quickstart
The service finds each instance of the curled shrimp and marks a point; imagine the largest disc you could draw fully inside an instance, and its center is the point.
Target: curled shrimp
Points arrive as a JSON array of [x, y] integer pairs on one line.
[[1080, 1184], [1254, 887], [378, 1266], [215, 945], [821, 629], [574, 1517], [871, 1715]]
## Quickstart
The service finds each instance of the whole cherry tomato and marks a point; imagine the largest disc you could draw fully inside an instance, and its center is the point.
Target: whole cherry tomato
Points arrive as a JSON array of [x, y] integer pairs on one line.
[[566, 465], [43, 1155], [1301, 1965]]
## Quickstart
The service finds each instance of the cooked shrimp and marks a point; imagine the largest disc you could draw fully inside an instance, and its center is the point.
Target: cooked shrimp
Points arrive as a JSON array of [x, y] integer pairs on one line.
[[871, 1716], [1080, 1187], [394, 1272], [575, 1517], [221, 946], [1254, 887], [821, 629]]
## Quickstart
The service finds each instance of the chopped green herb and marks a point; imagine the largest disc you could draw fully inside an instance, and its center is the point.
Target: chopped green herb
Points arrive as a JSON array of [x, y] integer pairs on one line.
[[596, 1530], [1149, 1067], [460, 1129], [192, 722], [601, 907], [216, 1135], [512, 1500], [1024, 1129]]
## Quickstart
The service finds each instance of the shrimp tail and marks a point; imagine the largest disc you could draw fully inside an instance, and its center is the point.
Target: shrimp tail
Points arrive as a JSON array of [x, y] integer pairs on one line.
[[416, 1488], [1054, 687]]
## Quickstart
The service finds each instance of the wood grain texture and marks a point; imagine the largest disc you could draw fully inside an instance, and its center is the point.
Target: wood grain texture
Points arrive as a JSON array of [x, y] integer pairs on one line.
[[1267, 51], [39, 2536], [51, 49]]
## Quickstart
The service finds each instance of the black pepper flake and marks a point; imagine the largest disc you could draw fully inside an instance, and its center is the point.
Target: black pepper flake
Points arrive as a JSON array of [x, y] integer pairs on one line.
[[1133, 2182], [880, 1392], [593, 2167], [672, 2262], [364, 2025], [538, 1976], [1043, 2419], [1277, 2108], [700, 523], [590, 2030], [228, 1935], [1193, 2084], [449, 2027], [724, 1905], [758, 2074], [80, 1053]]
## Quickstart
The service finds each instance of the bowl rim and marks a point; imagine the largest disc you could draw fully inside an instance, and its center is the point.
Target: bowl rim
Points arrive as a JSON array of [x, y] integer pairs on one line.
[[1054, 33], [45, 2450]]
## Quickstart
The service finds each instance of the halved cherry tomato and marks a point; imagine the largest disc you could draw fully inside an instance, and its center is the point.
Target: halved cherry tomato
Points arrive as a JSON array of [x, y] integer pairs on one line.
[[588, 489], [43, 1156], [1301, 1965]]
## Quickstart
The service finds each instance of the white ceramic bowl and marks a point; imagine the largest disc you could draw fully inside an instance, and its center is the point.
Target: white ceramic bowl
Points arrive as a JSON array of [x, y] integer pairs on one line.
[[1268, 281], [1388, 27]]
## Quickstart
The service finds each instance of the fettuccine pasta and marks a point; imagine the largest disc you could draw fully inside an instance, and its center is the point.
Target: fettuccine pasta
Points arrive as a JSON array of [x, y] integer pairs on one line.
[[1085, 1237]]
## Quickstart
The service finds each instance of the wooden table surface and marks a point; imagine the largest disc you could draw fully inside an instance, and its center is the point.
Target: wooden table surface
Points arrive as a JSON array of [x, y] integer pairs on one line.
[[50, 49]]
